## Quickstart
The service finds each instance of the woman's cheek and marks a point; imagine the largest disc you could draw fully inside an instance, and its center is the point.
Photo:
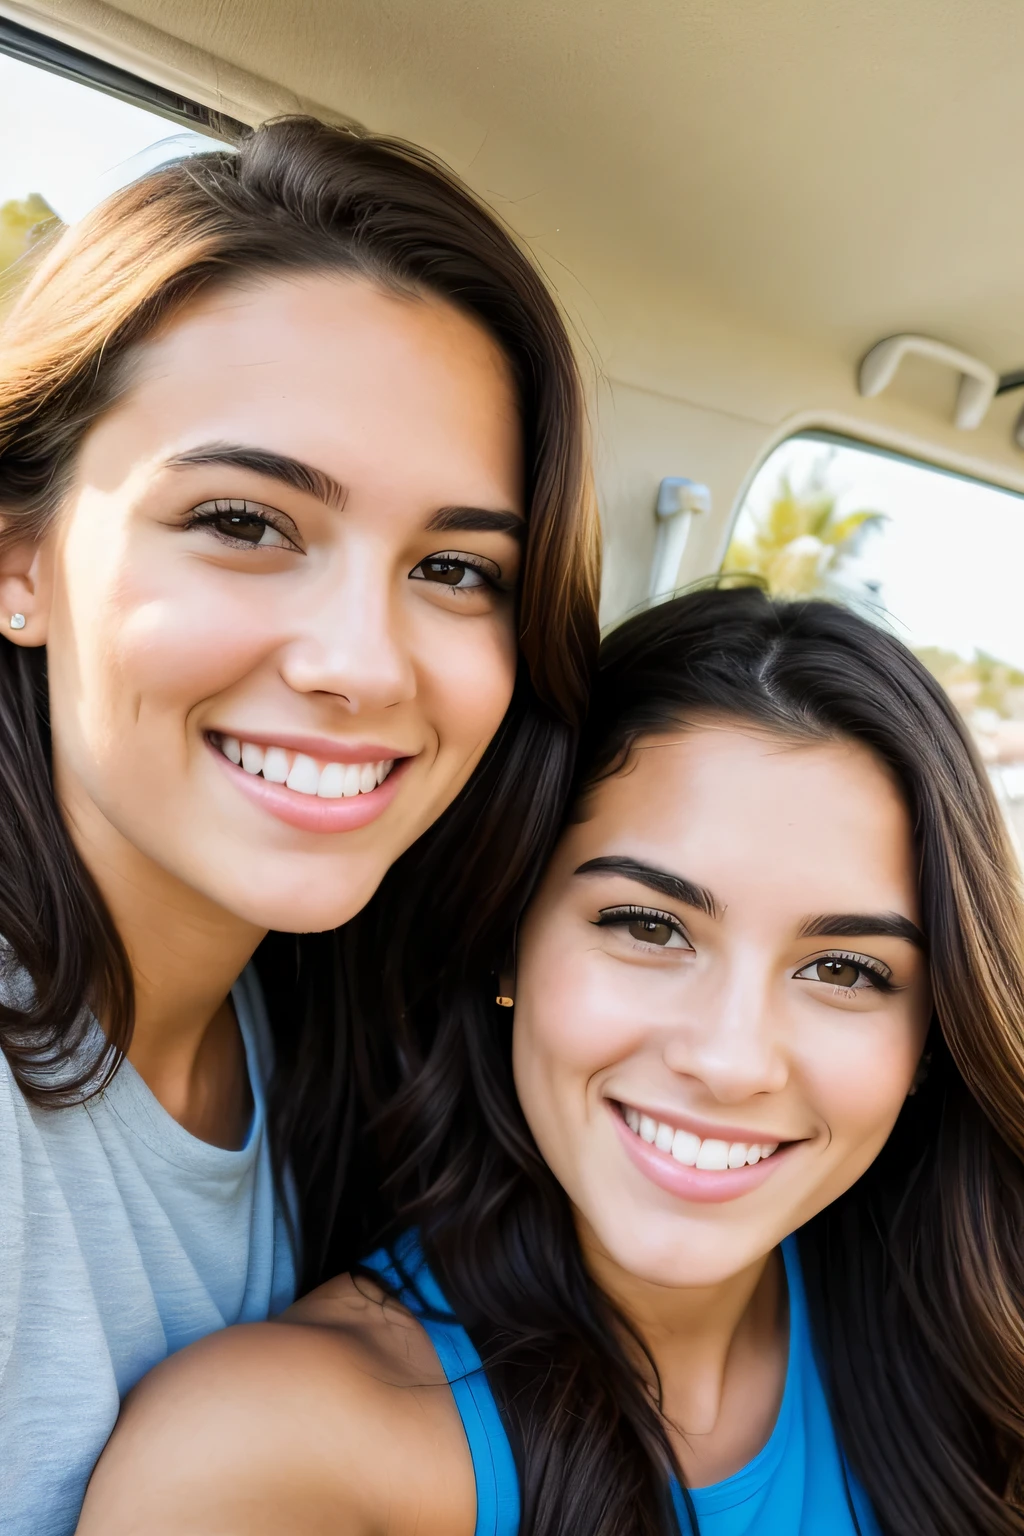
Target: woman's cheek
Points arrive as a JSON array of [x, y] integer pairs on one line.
[[466, 680], [571, 1022], [858, 1083]]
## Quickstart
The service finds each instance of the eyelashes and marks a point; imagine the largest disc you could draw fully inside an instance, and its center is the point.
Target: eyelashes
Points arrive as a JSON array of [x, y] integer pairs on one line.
[[646, 925], [459, 572], [845, 972], [828, 968], [243, 524]]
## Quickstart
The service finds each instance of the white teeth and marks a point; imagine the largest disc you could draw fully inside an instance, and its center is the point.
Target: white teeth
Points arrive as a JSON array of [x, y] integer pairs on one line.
[[686, 1148], [252, 758], [713, 1154], [302, 773], [305, 775], [331, 781], [275, 765], [663, 1138]]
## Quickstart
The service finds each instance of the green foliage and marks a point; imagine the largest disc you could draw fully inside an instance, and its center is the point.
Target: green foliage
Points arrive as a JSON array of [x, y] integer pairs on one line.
[[23, 222], [799, 545]]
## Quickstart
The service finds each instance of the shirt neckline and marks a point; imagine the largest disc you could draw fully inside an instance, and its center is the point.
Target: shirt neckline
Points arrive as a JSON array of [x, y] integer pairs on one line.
[[143, 1116], [734, 1490]]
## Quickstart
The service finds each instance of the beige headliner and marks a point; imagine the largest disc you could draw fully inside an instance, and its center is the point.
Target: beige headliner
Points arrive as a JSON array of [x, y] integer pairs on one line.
[[735, 198]]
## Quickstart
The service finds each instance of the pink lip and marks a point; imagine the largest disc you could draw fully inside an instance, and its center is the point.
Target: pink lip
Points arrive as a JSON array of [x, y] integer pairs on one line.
[[324, 748], [703, 1186], [308, 812]]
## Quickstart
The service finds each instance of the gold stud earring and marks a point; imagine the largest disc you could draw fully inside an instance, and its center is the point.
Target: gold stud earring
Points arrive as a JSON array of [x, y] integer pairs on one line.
[[504, 1002], [17, 621]]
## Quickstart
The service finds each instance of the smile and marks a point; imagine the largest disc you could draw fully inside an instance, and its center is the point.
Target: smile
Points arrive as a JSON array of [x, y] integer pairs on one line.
[[306, 775], [709, 1153], [304, 785], [703, 1169]]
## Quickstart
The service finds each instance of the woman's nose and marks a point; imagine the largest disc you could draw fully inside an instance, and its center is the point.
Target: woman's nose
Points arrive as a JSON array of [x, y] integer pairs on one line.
[[353, 642], [732, 1039]]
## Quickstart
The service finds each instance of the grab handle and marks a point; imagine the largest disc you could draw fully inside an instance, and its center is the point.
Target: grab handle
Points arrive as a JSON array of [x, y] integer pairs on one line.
[[978, 382], [678, 501]]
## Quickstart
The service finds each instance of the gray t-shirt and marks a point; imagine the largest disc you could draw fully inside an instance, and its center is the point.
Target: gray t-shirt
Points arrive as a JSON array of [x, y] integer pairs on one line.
[[122, 1239]]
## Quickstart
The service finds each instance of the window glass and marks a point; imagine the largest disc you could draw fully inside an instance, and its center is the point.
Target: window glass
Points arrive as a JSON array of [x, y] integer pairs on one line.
[[936, 557], [63, 148]]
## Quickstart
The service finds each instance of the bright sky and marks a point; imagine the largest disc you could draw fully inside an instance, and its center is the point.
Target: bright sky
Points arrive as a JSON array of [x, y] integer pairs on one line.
[[950, 559], [73, 144]]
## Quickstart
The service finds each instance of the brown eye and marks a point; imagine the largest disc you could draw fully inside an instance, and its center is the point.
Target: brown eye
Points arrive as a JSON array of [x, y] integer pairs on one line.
[[243, 522], [649, 931], [239, 525], [450, 572], [841, 973], [446, 571]]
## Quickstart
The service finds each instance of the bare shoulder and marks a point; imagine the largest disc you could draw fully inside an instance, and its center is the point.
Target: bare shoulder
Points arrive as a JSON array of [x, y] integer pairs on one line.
[[336, 1417]]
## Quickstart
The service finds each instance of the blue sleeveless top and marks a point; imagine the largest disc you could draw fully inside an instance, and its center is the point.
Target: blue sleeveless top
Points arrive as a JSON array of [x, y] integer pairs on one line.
[[796, 1485]]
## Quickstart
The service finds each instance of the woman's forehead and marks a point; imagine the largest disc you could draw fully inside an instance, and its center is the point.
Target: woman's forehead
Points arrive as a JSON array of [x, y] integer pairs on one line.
[[742, 810]]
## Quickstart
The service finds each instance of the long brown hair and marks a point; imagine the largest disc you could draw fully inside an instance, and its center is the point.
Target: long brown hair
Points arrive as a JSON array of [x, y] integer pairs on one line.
[[915, 1276], [297, 195]]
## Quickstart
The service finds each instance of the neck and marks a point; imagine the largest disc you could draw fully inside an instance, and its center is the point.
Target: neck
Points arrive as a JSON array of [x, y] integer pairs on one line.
[[719, 1352], [186, 953]]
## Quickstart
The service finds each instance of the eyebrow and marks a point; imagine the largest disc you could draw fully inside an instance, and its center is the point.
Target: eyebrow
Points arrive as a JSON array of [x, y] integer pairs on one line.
[[675, 886], [318, 483], [276, 466], [476, 520], [853, 925]]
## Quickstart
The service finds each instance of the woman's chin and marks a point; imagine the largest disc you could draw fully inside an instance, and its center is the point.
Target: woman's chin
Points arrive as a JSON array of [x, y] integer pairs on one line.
[[287, 894], [674, 1252]]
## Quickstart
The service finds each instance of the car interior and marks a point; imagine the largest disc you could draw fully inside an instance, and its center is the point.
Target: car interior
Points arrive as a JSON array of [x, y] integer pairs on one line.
[[786, 238]]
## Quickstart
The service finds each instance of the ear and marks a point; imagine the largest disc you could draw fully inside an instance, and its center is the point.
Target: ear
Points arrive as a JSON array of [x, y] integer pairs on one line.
[[26, 585]]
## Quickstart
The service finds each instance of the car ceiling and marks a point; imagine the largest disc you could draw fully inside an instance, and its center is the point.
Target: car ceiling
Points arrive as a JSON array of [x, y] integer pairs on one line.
[[834, 167], [734, 198]]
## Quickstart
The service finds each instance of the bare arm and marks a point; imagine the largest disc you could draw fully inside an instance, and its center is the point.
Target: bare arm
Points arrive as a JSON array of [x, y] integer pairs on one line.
[[340, 1423]]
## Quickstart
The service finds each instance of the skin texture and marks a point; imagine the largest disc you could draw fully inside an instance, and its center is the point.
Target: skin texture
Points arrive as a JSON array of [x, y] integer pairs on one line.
[[159, 632], [712, 1020]]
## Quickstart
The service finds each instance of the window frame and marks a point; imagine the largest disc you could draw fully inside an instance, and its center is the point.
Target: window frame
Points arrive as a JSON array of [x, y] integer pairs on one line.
[[837, 439], [57, 58]]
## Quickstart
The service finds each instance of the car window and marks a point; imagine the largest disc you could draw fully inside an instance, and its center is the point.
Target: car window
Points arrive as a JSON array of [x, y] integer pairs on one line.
[[937, 557], [65, 146]]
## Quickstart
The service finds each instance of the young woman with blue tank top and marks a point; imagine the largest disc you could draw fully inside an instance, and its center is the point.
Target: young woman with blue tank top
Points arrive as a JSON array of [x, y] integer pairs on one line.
[[298, 578], [709, 1218]]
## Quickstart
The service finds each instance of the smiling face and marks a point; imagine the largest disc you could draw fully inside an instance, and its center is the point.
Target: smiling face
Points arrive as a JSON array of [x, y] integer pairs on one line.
[[278, 602], [720, 997]]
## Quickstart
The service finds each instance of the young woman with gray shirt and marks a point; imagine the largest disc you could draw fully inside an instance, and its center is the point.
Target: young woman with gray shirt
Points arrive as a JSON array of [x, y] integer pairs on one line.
[[297, 573]]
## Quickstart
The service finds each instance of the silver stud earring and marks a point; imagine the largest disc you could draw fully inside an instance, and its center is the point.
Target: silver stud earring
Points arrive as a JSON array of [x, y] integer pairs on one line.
[[17, 621]]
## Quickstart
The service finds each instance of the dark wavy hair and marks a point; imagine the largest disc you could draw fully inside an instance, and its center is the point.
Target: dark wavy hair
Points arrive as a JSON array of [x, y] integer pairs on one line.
[[351, 1009], [915, 1276]]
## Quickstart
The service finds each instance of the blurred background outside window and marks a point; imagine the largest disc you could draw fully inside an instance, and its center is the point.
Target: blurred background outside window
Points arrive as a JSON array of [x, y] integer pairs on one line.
[[933, 556], [67, 146]]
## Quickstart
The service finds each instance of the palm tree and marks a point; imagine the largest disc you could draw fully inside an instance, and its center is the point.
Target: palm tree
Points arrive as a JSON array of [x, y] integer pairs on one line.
[[799, 545]]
